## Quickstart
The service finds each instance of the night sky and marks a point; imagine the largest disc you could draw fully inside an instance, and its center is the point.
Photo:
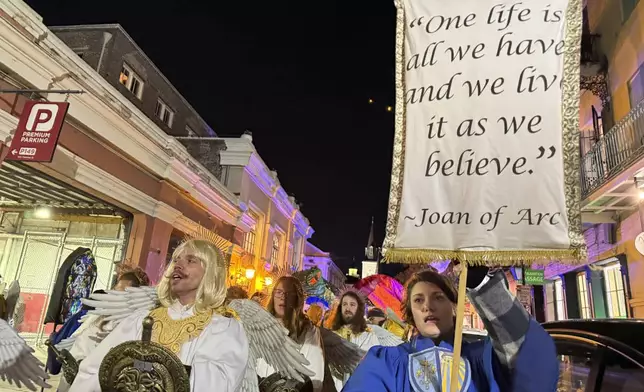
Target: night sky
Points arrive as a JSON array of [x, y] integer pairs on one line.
[[298, 74]]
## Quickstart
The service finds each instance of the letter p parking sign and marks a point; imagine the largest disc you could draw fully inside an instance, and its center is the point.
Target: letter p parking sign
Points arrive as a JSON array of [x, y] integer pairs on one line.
[[41, 117], [38, 130]]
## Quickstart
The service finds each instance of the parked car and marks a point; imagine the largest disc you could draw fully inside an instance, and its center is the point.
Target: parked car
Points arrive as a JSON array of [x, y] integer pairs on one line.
[[599, 355]]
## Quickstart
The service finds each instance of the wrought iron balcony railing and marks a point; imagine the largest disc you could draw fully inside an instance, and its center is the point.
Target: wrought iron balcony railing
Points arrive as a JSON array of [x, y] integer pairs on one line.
[[614, 151]]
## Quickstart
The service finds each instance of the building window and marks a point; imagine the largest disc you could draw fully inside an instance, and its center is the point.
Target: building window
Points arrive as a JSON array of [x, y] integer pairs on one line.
[[559, 300], [555, 303], [249, 242], [636, 87], [295, 263], [584, 298], [190, 132], [550, 302], [275, 250], [628, 6], [614, 288], [131, 81], [164, 113]]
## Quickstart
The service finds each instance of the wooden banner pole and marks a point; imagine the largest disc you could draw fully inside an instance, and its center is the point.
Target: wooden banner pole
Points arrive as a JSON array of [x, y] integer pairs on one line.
[[458, 329]]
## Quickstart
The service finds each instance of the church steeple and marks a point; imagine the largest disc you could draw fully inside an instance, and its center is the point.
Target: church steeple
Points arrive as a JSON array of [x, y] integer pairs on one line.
[[372, 255], [369, 250]]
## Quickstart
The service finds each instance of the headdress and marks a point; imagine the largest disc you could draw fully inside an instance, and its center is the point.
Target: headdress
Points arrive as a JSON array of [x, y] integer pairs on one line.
[[351, 290], [224, 246]]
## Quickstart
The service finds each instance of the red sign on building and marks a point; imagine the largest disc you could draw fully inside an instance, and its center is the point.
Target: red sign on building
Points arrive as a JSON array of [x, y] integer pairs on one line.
[[38, 131]]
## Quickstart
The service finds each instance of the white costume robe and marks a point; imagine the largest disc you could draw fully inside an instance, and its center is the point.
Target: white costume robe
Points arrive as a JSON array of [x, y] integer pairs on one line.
[[218, 356], [364, 341], [85, 342], [312, 351]]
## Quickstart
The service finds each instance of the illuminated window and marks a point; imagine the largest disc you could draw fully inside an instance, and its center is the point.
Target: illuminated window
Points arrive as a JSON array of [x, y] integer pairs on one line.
[[131, 81], [636, 87], [164, 113], [555, 303], [614, 288], [584, 298], [190, 132], [560, 303], [249, 242], [275, 251]]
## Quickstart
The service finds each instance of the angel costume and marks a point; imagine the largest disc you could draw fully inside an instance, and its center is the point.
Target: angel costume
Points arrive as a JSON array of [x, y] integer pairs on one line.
[[364, 340], [215, 347], [311, 348], [518, 355]]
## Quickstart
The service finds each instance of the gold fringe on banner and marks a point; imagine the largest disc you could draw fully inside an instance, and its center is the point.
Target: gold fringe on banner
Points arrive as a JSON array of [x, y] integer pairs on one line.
[[491, 258]]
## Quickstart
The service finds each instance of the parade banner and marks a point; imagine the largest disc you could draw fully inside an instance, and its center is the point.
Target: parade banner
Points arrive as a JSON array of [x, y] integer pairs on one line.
[[486, 148]]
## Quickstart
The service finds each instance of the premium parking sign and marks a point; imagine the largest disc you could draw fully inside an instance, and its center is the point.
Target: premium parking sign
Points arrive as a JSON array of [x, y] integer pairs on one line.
[[38, 130]]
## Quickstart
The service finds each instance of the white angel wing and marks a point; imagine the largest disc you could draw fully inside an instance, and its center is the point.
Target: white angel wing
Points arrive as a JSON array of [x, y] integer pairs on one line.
[[117, 305], [385, 337], [341, 355], [18, 365], [267, 339]]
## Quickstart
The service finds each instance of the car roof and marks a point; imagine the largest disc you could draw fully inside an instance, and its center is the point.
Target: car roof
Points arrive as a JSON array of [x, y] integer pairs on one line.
[[626, 331]]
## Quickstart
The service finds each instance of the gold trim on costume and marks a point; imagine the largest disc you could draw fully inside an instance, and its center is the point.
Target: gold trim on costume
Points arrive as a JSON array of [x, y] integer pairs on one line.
[[576, 253], [172, 334], [346, 332]]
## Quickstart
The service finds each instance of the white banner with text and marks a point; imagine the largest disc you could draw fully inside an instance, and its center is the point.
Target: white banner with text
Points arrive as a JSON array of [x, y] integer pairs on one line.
[[486, 154]]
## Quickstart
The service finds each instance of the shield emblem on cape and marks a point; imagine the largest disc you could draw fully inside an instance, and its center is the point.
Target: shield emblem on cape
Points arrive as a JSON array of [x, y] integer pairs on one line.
[[430, 370]]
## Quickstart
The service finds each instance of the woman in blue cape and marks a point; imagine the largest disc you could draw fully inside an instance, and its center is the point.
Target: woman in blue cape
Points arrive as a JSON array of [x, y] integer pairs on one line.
[[518, 354]]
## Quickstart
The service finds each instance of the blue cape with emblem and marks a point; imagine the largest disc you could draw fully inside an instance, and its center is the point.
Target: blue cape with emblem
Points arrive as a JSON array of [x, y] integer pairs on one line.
[[420, 366]]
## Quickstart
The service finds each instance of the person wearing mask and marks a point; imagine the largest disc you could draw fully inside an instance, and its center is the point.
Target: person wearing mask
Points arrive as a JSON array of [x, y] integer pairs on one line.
[[287, 304], [519, 354]]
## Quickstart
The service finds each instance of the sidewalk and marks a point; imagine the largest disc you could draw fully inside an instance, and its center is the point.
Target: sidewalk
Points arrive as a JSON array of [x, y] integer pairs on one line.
[[41, 353]]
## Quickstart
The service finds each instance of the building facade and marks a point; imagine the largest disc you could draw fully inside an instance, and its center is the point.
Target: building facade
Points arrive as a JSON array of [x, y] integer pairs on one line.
[[119, 184], [611, 284], [278, 233], [314, 257], [110, 51]]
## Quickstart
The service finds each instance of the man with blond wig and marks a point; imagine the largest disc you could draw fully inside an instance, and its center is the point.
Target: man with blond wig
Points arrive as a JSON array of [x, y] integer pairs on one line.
[[190, 322]]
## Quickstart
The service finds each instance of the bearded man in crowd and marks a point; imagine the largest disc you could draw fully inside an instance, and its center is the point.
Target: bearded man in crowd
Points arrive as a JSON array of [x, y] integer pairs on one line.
[[350, 323]]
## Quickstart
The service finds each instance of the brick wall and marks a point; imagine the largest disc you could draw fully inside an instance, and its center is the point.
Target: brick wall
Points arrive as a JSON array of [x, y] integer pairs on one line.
[[88, 43]]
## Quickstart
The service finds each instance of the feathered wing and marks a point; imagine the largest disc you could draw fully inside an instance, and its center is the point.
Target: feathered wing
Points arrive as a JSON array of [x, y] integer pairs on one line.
[[118, 305], [18, 365], [385, 338], [86, 321], [267, 339], [341, 355], [114, 306]]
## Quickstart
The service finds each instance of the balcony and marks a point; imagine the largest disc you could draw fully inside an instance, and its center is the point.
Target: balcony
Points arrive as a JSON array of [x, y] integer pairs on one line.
[[608, 169], [591, 54]]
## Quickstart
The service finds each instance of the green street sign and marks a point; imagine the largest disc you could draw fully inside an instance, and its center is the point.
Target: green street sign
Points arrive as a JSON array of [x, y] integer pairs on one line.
[[533, 277]]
